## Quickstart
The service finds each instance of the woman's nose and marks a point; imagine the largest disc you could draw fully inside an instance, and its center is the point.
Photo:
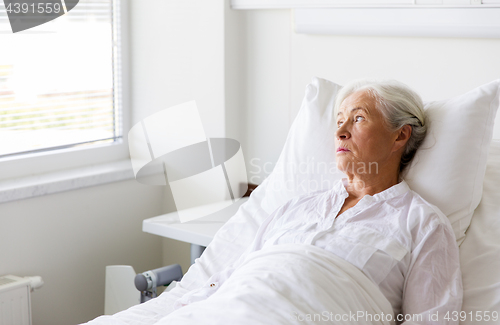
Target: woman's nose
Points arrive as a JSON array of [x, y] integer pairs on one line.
[[342, 132]]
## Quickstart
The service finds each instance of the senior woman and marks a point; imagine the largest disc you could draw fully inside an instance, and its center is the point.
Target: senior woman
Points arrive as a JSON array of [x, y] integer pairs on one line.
[[383, 124], [372, 219]]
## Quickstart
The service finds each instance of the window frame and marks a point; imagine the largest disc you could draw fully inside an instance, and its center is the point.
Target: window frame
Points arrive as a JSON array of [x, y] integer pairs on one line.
[[30, 164]]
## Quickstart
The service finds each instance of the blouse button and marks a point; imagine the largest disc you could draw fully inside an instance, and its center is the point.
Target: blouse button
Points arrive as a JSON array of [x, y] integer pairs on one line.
[[212, 284]]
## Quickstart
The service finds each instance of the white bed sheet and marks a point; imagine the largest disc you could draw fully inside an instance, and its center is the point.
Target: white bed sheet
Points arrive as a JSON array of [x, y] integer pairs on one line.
[[290, 284]]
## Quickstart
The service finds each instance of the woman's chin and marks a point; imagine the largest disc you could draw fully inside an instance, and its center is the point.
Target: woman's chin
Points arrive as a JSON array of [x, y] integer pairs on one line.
[[341, 166]]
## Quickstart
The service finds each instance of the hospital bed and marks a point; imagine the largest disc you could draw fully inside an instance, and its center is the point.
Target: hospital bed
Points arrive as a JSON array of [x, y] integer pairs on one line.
[[457, 169]]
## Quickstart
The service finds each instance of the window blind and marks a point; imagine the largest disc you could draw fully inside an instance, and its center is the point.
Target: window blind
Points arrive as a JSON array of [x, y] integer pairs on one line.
[[58, 84]]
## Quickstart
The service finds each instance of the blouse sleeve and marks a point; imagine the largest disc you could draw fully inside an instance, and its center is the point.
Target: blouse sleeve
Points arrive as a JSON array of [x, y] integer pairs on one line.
[[433, 287]]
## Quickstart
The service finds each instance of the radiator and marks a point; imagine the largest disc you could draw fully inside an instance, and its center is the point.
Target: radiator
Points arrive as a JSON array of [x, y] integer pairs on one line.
[[15, 299]]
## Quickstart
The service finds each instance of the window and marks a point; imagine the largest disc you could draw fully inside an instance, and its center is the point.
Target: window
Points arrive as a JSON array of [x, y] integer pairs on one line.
[[60, 82]]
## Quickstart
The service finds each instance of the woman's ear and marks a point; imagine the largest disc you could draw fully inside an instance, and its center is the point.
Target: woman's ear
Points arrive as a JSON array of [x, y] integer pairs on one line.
[[403, 136]]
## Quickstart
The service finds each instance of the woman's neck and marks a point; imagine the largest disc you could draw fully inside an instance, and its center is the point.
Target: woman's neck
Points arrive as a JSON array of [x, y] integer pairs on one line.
[[360, 185]]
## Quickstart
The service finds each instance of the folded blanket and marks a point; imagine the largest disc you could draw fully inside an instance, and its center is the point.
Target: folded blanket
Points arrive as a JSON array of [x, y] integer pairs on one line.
[[289, 284]]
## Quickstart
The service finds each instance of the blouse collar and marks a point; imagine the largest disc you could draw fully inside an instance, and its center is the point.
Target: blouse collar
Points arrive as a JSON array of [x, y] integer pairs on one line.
[[393, 191]]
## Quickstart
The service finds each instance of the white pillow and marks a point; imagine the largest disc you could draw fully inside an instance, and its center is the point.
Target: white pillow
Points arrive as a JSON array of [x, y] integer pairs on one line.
[[447, 171], [479, 252]]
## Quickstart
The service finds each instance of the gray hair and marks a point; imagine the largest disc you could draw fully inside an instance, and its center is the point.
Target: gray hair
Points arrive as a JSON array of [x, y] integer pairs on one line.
[[399, 105]]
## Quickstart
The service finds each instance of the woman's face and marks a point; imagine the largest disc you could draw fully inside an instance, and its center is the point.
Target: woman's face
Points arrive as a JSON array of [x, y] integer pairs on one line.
[[363, 141]]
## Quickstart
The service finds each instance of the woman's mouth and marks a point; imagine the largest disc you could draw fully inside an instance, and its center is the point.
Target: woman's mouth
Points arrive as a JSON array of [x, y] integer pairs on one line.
[[342, 149]]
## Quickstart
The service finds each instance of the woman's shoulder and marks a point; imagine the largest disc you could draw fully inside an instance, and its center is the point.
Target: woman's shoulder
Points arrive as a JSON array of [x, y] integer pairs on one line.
[[425, 217], [427, 208]]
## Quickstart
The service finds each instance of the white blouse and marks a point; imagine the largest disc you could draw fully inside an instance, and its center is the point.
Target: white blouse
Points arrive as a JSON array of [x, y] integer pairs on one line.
[[401, 242]]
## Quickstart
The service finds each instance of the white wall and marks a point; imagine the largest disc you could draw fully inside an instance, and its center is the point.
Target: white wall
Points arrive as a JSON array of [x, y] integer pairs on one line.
[[267, 85], [235, 56], [280, 63], [177, 50]]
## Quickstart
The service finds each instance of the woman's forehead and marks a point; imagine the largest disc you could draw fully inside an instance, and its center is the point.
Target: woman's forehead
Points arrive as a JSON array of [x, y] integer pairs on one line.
[[362, 99]]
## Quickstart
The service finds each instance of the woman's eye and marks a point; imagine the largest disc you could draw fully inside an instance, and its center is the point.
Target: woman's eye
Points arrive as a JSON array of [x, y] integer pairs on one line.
[[339, 123], [358, 118]]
